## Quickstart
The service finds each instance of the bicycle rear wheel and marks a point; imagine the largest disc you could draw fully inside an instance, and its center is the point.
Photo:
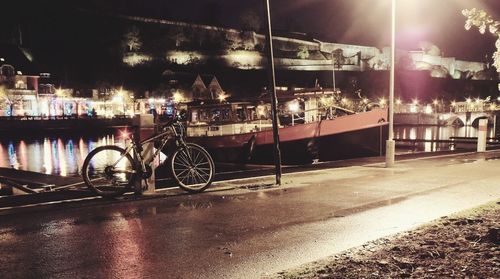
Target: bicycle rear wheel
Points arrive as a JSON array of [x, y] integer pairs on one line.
[[192, 168], [108, 171]]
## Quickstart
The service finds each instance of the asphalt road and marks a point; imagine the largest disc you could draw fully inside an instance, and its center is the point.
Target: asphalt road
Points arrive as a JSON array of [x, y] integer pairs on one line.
[[247, 232]]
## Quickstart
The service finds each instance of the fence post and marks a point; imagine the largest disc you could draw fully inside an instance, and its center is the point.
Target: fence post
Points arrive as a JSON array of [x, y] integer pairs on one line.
[[145, 128], [481, 135]]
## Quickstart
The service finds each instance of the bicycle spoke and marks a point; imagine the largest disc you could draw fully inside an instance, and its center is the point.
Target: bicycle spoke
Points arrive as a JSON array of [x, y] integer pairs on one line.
[[201, 177], [181, 164], [206, 173], [108, 171], [184, 158], [195, 159], [183, 172], [192, 168]]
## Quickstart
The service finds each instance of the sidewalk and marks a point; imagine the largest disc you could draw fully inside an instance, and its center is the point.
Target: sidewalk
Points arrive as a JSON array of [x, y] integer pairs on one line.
[[264, 177]]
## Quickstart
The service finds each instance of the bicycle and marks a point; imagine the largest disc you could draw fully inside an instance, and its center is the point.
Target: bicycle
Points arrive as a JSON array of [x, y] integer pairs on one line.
[[110, 171]]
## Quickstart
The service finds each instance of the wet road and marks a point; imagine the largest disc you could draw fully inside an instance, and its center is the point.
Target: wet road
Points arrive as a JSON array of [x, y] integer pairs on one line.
[[244, 233]]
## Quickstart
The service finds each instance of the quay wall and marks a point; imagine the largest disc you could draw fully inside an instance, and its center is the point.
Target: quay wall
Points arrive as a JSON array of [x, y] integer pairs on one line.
[[416, 119], [15, 126]]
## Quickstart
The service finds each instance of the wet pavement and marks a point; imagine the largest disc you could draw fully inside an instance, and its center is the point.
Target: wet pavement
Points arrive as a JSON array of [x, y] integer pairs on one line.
[[249, 231]]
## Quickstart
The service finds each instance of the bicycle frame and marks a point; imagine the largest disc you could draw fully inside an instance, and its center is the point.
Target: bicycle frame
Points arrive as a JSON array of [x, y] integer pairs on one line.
[[165, 137]]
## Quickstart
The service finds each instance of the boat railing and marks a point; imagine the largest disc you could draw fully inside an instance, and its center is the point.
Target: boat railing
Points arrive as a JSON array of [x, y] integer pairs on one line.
[[315, 114], [249, 126], [221, 129]]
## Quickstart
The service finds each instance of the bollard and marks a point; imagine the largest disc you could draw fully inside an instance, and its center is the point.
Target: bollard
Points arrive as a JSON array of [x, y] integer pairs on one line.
[[390, 147], [481, 135], [145, 129]]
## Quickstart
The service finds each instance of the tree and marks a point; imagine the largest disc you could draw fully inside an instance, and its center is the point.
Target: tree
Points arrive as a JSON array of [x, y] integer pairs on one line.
[[132, 39], [429, 48], [483, 21], [303, 52], [338, 58]]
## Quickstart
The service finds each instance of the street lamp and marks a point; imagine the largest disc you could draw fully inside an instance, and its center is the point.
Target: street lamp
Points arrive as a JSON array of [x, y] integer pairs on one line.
[[222, 97], [390, 146], [382, 102]]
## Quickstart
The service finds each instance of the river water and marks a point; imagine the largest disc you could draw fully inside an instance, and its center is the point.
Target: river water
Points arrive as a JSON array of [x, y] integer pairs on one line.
[[432, 134], [64, 155], [59, 155]]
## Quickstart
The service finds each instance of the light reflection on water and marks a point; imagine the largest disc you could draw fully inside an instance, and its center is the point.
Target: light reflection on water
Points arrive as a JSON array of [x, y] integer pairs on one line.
[[433, 133], [65, 155], [51, 155]]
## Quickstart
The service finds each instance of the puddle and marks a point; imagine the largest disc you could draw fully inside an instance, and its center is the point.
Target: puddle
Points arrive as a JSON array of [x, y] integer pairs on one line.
[[258, 186]]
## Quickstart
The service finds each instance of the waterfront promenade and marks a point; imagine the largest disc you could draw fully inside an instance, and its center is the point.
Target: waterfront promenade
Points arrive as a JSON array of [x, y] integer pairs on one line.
[[243, 228]]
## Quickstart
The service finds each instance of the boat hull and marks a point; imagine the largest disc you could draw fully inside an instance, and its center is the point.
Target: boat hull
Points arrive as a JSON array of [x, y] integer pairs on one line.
[[351, 136]]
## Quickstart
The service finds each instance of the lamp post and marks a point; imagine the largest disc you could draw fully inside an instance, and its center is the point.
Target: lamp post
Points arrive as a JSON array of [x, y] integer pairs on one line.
[[272, 89], [390, 145]]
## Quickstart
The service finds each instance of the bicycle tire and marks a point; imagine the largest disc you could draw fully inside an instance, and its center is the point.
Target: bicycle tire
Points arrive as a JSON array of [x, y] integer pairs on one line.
[[100, 175], [195, 175]]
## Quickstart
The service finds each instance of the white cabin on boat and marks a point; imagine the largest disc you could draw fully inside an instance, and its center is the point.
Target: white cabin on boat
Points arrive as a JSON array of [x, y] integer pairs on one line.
[[210, 118]]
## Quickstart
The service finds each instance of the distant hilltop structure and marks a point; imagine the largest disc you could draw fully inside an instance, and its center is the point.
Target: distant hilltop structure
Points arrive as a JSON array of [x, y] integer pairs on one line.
[[195, 44]]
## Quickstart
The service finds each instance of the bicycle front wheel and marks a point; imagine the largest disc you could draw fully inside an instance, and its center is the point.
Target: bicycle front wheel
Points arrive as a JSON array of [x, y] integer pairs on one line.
[[108, 171], [192, 168]]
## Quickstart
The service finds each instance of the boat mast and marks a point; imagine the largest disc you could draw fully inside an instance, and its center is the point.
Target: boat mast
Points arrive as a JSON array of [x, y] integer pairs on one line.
[[333, 69], [272, 88]]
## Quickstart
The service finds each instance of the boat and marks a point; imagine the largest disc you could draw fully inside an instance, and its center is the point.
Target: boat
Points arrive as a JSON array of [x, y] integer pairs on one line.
[[241, 132]]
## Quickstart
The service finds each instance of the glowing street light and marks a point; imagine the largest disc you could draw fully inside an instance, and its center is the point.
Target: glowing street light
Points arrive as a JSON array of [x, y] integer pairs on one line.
[[222, 97], [59, 92], [293, 107], [428, 109], [261, 111], [178, 97]]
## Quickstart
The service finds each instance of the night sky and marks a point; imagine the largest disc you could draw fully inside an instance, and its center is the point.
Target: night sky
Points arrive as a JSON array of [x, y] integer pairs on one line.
[[364, 22]]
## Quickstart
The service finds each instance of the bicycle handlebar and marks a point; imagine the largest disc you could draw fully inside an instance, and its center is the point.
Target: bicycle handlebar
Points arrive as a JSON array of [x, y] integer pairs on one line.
[[173, 123]]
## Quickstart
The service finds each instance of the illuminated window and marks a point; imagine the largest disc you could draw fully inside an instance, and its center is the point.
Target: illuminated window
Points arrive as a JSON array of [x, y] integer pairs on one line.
[[21, 85]]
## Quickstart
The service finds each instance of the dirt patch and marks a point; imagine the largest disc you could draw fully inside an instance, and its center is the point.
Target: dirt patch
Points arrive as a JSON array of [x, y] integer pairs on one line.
[[465, 245]]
